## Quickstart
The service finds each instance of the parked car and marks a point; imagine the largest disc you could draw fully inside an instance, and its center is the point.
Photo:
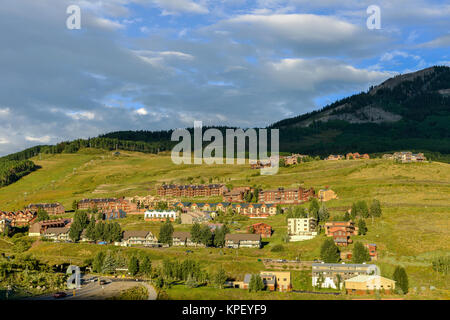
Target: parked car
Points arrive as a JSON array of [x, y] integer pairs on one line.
[[58, 295], [102, 282]]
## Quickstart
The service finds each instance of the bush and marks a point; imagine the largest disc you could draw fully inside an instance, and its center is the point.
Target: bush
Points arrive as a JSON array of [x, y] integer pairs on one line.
[[277, 248]]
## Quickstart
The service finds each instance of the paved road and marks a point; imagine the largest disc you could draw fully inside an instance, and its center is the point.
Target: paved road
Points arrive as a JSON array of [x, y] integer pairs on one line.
[[94, 291]]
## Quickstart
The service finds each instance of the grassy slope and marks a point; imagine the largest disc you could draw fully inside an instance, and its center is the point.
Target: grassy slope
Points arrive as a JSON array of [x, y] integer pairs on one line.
[[413, 229]]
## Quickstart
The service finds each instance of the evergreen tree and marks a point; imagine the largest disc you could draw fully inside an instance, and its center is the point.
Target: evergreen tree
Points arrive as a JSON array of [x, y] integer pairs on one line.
[[314, 207], [346, 216], [219, 236], [75, 231], [116, 232], [97, 263], [74, 205], [329, 251], [196, 235], [360, 253], [375, 209], [81, 218], [166, 232], [362, 229], [133, 265], [256, 283], [354, 211], [109, 263], [90, 230], [42, 215], [206, 236], [219, 278], [401, 279], [99, 228], [363, 209], [146, 266], [323, 213]]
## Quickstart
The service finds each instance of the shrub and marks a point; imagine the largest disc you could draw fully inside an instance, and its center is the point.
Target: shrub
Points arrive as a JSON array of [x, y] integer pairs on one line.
[[277, 248]]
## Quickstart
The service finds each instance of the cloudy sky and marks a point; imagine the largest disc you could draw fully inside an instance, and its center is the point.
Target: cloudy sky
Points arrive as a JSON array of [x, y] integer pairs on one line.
[[160, 64]]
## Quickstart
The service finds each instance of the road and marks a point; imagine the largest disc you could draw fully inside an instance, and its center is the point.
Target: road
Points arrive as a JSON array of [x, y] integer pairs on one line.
[[95, 291]]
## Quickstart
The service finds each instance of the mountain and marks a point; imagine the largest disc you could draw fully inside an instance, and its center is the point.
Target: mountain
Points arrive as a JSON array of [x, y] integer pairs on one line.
[[407, 112], [410, 111]]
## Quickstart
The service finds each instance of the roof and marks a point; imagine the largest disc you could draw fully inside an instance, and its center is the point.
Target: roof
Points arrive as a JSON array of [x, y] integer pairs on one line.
[[243, 237], [365, 278], [351, 265], [135, 234], [182, 235]]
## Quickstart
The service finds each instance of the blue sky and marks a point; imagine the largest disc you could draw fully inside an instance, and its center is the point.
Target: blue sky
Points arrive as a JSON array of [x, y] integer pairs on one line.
[[160, 64]]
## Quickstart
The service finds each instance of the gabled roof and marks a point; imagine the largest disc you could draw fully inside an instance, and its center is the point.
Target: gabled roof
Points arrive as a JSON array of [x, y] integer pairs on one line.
[[182, 235], [242, 237], [135, 234]]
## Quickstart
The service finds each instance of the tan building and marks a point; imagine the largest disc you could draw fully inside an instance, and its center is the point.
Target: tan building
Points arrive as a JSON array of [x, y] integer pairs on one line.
[[4, 223], [183, 238], [327, 194], [363, 284], [138, 238], [243, 240], [194, 217], [300, 229], [57, 234], [282, 279]]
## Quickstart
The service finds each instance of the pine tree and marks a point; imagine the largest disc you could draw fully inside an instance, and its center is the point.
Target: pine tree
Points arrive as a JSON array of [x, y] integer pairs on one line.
[[375, 209], [256, 283], [314, 207], [74, 205], [97, 263], [90, 230], [360, 253], [133, 265], [206, 236], [329, 252], [354, 211], [219, 278], [323, 213], [401, 279], [146, 266], [362, 229], [166, 232], [363, 209], [196, 235], [109, 263], [75, 231], [42, 215], [99, 228]]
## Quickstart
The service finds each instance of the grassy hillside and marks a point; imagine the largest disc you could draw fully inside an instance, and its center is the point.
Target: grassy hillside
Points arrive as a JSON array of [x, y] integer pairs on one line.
[[413, 230]]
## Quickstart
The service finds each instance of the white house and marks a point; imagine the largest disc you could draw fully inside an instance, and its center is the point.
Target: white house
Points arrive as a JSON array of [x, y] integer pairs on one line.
[[160, 215]]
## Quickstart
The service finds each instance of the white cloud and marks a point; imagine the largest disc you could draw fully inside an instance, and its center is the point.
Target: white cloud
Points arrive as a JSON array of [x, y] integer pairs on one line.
[[4, 112], [440, 42], [108, 24], [171, 7], [82, 115], [44, 139], [142, 111]]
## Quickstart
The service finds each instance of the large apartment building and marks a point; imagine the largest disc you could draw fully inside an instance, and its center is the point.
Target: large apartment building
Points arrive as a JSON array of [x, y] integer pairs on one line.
[[202, 190], [300, 229], [107, 204], [50, 208], [18, 218], [286, 196]]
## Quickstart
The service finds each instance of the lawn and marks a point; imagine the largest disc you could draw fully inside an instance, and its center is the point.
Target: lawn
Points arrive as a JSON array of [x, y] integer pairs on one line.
[[415, 198]]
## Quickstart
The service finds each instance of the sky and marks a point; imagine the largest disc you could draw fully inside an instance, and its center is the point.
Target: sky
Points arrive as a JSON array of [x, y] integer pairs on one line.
[[162, 64]]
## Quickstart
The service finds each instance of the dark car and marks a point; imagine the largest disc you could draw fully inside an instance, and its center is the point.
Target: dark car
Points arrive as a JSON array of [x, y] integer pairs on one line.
[[102, 282], [58, 295]]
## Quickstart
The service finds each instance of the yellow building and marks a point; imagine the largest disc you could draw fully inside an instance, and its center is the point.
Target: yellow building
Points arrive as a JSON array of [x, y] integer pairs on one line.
[[327, 194], [363, 284], [283, 279]]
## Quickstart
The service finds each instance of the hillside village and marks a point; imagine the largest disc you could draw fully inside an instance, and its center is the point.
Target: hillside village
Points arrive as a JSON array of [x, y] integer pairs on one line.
[[341, 266]]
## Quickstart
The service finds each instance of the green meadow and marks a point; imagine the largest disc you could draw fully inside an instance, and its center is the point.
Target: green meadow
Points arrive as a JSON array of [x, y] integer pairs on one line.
[[414, 228]]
